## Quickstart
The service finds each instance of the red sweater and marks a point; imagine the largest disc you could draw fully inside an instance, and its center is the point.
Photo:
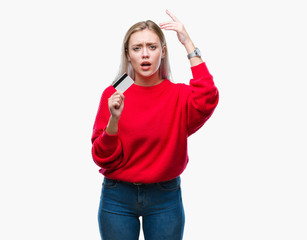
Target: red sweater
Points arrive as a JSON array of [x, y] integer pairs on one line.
[[151, 144]]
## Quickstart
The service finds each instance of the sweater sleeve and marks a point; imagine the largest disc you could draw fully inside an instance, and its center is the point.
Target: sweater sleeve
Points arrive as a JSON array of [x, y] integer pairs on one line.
[[202, 99], [106, 149]]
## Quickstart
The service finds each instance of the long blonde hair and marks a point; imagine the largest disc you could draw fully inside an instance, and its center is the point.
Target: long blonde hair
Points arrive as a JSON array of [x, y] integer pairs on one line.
[[125, 66]]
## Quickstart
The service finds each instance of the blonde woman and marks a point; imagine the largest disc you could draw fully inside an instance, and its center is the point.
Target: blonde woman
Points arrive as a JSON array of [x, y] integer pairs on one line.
[[140, 137]]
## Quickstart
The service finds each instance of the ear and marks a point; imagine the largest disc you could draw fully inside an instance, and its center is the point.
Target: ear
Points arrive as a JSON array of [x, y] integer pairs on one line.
[[127, 55], [163, 52]]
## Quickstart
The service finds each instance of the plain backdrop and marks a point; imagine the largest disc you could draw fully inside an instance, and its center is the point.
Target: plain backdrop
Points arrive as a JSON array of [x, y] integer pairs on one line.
[[246, 178]]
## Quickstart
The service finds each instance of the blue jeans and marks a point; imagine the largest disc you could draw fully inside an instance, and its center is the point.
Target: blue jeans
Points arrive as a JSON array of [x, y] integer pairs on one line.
[[159, 205]]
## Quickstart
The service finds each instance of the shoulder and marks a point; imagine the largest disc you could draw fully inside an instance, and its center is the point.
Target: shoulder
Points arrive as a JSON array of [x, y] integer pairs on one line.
[[176, 85], [108, 92], [180, 87], [178, 90]]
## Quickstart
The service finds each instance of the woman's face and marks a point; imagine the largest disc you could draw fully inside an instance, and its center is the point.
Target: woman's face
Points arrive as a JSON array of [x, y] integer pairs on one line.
[[145, 53]]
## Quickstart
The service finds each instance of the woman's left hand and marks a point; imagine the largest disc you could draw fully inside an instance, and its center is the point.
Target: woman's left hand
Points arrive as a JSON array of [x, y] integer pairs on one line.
[[182, 35], [178, 27]]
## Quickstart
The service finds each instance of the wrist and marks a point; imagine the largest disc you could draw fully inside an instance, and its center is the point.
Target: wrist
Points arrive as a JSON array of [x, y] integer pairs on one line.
[[114, 119], [194, 56], [112, 127], [189, 46]]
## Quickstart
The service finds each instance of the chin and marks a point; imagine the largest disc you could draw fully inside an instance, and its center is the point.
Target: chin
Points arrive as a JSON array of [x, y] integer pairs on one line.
[[147, 74]]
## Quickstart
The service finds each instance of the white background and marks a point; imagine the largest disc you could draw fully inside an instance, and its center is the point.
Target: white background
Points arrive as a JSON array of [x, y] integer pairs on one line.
[[247, 173]]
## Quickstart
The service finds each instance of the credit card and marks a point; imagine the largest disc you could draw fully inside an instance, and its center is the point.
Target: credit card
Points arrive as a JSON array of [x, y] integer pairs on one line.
[[123, 83]]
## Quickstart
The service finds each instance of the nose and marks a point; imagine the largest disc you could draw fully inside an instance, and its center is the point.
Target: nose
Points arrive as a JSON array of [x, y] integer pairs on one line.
[[145, 53]]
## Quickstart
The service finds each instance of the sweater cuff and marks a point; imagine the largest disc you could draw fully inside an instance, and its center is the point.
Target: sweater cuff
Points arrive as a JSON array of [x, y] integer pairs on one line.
[[200, 70], [109, 139]]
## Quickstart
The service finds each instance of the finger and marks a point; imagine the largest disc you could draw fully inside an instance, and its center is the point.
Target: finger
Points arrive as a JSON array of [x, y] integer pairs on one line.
[[114, 100], [172, 16], [114, 97], [116, 104], [121, 94], [168, 26], [164, 23], [117, 97], [172, 28]]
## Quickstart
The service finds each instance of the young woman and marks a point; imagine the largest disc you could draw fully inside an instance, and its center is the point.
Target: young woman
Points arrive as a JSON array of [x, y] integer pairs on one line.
[[140, 137]]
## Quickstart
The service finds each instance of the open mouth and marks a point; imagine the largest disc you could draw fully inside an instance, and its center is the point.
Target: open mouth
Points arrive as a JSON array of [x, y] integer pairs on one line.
[[146, 64]]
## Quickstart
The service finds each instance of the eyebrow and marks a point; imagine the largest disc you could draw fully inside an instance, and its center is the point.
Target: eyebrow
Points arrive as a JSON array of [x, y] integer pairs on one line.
[[141, 44]]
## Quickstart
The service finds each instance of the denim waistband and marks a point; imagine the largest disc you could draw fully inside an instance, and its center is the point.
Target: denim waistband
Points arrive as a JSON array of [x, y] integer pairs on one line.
[[140, 184]]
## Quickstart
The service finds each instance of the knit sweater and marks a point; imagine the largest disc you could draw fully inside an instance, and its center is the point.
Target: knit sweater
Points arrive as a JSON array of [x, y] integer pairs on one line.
[[151, 143]]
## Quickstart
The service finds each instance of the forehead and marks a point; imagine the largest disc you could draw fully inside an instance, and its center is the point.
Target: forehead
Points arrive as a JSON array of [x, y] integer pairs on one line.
[[144, 36]]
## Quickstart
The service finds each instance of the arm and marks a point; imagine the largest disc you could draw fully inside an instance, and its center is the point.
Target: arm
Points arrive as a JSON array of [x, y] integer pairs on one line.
[[202, 98], [203, 95], [107, 147]]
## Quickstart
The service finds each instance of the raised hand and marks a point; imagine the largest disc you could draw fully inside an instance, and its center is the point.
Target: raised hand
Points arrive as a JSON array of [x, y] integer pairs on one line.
[[178, 27], [183, 36]]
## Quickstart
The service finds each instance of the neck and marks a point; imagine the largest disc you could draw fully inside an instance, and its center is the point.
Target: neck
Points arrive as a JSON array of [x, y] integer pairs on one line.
[[147, 81]]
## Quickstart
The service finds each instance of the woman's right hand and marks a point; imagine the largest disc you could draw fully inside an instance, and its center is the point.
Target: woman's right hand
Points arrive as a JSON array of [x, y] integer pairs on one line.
[[116, 104]]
